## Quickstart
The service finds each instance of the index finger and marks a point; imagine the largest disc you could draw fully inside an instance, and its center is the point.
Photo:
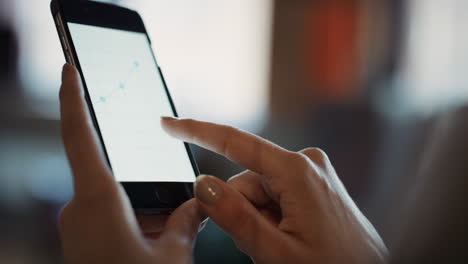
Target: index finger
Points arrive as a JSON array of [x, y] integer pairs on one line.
[[90, 172], [248, 150]]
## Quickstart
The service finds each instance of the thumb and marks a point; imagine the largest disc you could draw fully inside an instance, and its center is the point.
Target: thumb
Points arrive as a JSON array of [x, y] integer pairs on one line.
[[183, 225], [178, 237], [233, 213]]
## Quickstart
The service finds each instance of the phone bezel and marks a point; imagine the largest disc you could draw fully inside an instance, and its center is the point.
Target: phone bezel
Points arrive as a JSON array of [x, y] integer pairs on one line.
[[146, 197]]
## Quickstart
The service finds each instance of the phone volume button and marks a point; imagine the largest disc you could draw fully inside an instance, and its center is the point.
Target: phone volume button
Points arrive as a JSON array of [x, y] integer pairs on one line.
[[62, 39], [69, 58], [59, 21]]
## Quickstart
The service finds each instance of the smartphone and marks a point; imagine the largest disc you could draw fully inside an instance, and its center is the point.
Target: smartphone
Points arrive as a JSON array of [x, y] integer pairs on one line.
[[126, 95]]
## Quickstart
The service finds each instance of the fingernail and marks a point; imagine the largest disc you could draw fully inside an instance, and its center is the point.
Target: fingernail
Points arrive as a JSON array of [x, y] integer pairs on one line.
[[168, 118], [207, 190]]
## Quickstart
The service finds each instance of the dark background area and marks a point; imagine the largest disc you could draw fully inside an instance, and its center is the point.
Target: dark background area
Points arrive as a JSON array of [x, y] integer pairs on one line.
[[362, 79]]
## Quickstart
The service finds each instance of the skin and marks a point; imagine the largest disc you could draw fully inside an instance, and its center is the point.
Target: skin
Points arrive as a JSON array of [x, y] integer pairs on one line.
[[286, 207], [98, 225]]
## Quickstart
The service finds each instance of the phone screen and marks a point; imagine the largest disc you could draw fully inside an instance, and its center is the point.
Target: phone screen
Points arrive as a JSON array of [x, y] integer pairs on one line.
[[128, 96]]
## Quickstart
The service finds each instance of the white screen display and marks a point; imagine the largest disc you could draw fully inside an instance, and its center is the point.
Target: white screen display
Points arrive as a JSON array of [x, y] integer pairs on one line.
[[128, 98]]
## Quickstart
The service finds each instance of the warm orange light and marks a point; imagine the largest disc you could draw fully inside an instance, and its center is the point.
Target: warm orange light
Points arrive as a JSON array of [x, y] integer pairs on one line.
[[332, 49]]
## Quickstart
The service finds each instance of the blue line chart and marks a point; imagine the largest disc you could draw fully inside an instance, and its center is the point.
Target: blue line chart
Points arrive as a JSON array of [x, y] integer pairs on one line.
[[122, 85]]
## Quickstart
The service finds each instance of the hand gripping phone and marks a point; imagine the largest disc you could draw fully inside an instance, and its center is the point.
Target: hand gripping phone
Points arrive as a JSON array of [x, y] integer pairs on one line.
[[126, 95]]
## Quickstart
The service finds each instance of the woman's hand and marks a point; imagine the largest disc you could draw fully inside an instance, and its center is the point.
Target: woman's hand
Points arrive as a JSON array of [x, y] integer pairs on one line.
[[287, 207], [98, 225]]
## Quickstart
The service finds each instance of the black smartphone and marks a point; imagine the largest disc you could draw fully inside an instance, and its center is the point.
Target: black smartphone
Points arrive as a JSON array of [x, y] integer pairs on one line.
[[126, 96]]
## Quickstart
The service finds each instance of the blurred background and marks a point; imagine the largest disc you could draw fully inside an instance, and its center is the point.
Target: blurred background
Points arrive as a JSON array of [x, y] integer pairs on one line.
[[362, 79]]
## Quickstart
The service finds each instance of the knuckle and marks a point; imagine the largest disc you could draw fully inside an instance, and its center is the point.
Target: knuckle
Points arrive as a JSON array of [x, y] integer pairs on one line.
[[259, 148], [303, 167], [230, 131], [230, 135], [316, 155], [63, 216], [190, 125], [299, 160]]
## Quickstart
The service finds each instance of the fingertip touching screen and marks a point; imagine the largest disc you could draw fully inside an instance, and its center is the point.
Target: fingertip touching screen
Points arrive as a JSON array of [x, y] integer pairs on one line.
[[128, 97]]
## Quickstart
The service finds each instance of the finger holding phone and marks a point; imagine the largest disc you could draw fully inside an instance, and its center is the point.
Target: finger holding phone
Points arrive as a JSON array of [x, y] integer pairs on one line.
[[99, 224]]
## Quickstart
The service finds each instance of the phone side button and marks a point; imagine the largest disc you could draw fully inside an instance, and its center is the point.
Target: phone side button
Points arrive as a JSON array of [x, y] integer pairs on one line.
[[68, 58]]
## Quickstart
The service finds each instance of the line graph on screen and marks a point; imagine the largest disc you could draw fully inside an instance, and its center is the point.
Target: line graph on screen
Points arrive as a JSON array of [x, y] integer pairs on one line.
[[120, 86]]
